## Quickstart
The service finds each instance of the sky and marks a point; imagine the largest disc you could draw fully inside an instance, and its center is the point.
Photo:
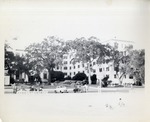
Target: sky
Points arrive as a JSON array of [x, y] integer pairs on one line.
[[26, 22]]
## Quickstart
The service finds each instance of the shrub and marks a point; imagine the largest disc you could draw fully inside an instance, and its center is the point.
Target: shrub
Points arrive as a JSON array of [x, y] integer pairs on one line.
[[105, 81], [93, 79], [68, 78], [57, 76], [12, 81], [80, 76]]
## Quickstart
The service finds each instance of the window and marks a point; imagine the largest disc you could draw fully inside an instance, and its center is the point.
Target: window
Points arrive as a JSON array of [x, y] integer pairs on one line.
[[125, 53], [70, 73], [100, 69], [74, 73], [121, 53], [94, 70], [78, 66], [65, 73], [74, 67], [83, 71], [82, 65], [131, 46], [131, 77], [57, 68], [107, 61], [115, 76], [70, 62], [65, 57], [65, 68], [107, 75], [93, 63], [65, 62], [103, 69], [45, 76], [70, 67], [116, 45], [103, 61], [125, 76], [107, 68], [17, 54]]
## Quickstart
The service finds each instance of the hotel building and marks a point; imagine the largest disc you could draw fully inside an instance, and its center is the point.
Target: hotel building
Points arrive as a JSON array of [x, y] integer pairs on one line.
[[100, 70]]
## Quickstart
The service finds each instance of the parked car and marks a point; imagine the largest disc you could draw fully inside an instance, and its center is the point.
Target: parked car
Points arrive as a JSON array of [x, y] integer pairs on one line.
[[79, 88], [60, 89]]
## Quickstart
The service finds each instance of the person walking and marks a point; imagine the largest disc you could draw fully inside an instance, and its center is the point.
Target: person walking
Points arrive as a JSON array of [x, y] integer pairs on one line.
[[14, 88], [86, 87]]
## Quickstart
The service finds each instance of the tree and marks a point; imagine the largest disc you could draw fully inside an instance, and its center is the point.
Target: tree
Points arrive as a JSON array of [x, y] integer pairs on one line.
[[15, 63], [129, 63], [87, 51], [121, 62], [9, 61], [138, 65], [47, 54], [9, 57]]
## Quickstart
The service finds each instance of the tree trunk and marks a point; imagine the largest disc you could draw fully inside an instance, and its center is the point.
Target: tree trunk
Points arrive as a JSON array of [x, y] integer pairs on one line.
[[89, 78], [120, 78], [89, 73], [117, 74], [49, 76], [20, 76]]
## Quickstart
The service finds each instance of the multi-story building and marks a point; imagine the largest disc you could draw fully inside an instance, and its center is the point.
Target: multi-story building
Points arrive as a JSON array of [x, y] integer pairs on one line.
[[101, 70], [108, 68]]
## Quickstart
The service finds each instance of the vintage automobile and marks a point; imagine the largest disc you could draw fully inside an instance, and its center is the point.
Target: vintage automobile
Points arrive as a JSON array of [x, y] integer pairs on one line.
[[60, 89], [79, 88]]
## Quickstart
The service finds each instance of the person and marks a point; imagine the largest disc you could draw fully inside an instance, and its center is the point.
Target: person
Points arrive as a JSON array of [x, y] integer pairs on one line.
[[40, 89], [22, 88], [14, 88], [121, 104], [86, 87], [99, 86], [32, 88], [75, 88], [131, 86]]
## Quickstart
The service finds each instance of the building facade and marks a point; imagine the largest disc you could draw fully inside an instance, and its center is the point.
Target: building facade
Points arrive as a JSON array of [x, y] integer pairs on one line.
[[100, 70]]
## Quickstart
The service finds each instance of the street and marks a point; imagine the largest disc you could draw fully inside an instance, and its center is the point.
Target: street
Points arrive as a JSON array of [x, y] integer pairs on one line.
[[37, 106], [50, 89]]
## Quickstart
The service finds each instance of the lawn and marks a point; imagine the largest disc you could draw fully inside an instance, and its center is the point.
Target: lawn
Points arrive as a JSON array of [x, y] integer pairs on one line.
[[92, 105]]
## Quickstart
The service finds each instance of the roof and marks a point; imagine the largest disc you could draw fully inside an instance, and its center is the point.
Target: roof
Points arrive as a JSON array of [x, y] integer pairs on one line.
[[117, 40]]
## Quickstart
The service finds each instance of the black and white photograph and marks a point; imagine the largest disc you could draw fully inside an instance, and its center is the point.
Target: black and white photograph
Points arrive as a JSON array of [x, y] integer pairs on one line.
[[74, 60]]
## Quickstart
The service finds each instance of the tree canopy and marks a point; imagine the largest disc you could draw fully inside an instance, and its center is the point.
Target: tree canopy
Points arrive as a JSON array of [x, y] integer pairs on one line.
[[87, 51], [128, 62], [47, 54]]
